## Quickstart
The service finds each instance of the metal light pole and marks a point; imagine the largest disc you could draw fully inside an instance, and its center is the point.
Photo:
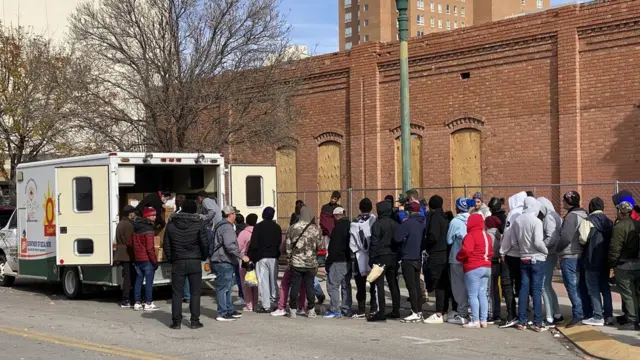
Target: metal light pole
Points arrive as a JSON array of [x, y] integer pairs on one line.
[[405, 130]]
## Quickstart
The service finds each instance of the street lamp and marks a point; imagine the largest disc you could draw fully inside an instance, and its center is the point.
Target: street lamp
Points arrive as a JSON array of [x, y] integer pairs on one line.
[[405, 131]]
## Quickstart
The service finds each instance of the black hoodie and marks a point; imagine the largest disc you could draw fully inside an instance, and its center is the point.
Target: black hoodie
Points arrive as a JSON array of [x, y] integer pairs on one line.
[[436, 239], [266, 240], [598, 243], [185, 238], [383, 248]]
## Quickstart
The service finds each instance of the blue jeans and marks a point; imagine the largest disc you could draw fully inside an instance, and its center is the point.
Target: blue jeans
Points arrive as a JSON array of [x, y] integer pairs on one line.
[[598, 283], [187, 289], [145, 271], [549, 296], [225, 279], [316, 287], [532, 279], [239, 282], [476, 282], [571, 278]]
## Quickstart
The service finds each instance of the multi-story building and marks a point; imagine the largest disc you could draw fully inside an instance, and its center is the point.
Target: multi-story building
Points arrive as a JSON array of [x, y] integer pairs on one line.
[[376, 20]]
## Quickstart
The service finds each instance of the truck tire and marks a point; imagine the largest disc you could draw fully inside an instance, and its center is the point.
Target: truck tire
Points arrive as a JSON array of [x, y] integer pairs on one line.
[[5, 280], [71, 284]]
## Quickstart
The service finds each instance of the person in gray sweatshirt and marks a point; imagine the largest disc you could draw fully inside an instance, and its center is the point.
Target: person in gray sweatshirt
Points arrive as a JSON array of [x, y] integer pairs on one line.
[[551, 224], [529, 234], [573, 233]]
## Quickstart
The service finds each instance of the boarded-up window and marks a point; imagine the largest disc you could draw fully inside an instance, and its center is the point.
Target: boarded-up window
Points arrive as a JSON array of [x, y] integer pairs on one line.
[[465, 161], [416, 162], [287, 184], [328, 170]]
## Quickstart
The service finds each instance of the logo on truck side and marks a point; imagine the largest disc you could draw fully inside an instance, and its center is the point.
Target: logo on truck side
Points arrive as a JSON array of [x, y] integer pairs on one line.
[[49, 213]]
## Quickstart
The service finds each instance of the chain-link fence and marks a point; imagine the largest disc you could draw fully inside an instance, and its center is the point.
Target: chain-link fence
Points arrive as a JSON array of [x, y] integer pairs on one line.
[[350, 198]]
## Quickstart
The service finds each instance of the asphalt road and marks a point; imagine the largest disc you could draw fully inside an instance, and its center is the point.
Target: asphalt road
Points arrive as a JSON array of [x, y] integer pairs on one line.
[[37, 322]]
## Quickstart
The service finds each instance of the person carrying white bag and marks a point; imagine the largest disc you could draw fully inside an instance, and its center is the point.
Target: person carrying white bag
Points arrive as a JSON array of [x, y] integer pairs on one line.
[[359, 244]]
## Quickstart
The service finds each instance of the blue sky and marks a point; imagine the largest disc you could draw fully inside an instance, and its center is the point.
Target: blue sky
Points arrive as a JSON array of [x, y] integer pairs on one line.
[[315, 23]]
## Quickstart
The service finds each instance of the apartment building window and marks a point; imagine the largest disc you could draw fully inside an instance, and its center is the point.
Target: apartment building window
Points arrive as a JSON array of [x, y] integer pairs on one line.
[[455, 10], [347, 17], [347, 45], [358, 14], [366, 38], [420, 19], [462, 24], [420, 4], [366, 7], [397, 24], [347, 32], [366, 22], [463, 12], [432, 22], [420, 33], [432, 6], [448, 9], [448, 24], [347, 3], [455, 24], [539, 4], [439, 23], [440, 8]]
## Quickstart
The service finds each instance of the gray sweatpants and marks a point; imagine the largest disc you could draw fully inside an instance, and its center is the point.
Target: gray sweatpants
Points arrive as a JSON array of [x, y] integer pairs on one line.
[[339, 276], [458, 289], [267, 272]]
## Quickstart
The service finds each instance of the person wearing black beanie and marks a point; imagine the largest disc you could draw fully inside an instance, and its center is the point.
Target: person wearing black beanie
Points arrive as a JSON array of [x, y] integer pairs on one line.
[[264, 251]]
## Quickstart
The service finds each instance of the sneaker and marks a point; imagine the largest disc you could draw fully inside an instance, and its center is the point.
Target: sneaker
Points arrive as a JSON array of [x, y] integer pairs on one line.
[[262, 310], [377, 317], [471, 325], [300, 312], [196, 325], [558, 319], [226, 318], [510, 323], [311, 314], [574, 322], [150, 307], [175, 325], [246, 309], [627, 327], [359, 315], [458, 320], [548, 324], [332, 315], [484, 324], [521, 326], [125, 304], [236, 315], [622, 319], [610, 321], [392, 315], [138, 307], [239, 302], [292, 314], [279, 312], [593, 322], [414, 317], [434, 319]]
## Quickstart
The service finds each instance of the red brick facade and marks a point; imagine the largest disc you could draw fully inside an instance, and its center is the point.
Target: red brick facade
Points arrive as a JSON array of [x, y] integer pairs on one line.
[[556, 96]]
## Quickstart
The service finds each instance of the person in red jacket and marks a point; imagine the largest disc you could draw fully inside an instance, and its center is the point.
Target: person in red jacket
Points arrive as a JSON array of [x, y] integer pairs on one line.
[[475, 257], [144, 254]]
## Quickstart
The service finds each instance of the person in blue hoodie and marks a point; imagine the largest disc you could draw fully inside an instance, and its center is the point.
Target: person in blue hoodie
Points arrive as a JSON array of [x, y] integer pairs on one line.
[[455, 235], [409, 236], [596, 268]]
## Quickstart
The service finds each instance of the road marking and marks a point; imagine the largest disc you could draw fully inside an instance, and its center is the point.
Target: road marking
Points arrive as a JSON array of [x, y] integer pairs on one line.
[[85, 345], [421, 341]]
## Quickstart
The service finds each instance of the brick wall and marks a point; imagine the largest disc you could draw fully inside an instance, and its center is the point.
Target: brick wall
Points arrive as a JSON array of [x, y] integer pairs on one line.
[[556, 96]]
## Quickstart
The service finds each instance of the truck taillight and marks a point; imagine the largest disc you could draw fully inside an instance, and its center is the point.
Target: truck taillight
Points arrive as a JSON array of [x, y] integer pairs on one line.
[[178, 160], [163, 160], [172, 160], [124, 160]]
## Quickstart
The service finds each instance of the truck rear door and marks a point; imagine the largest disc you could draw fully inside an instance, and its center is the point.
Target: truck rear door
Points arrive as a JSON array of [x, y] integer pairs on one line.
[[252, 188], [82, 224]]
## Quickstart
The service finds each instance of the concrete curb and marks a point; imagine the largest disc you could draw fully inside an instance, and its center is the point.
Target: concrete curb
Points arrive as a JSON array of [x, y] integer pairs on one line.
[[593, 342]]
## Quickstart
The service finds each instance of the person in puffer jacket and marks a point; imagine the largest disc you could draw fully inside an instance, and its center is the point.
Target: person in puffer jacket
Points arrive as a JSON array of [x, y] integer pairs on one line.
[[146, 262], [359, 243], [551, 224]]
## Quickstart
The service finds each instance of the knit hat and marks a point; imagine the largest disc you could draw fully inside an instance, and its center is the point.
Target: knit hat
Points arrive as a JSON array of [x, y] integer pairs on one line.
[[572, 198], [495, 204], [435, 202], [625, 207], [618, 197], [189, 207], [336, 194], [477, 195], [461, 204], [596, 204], [629, 199], [148, 212], [128, 209], [492, 222], [413, 207], [268, 213]]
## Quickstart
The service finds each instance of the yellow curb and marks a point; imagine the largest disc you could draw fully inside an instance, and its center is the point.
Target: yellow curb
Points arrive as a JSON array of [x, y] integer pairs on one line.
[[597, 344]]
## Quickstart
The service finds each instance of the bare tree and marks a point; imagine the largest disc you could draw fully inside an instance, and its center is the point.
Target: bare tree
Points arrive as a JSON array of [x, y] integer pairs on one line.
[[39, 94], [182, 75]]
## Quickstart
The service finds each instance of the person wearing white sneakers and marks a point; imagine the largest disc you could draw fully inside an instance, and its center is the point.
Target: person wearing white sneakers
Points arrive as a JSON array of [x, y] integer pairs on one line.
[[436, 246], [456, 233], [146, 262]]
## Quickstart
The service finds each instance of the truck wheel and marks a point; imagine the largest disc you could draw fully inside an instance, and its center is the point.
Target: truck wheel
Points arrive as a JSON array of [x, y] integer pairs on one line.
[[5, 280], [71, 284]]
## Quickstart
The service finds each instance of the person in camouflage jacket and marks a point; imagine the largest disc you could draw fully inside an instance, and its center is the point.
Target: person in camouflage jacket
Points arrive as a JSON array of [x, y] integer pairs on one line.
[[303, 240]]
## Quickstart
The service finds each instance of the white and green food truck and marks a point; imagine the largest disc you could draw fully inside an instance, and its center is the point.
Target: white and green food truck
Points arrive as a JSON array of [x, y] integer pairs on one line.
[[64, 225]]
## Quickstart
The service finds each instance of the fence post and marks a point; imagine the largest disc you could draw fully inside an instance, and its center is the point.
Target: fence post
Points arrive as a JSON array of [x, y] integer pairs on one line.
[[534, 191], [304, 197], [350, 201], [275, 200], [616, 187], [465, 190]]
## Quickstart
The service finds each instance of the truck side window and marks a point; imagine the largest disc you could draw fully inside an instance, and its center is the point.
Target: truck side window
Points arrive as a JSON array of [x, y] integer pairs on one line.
[[83, 194], [253, 186], [13, 223]]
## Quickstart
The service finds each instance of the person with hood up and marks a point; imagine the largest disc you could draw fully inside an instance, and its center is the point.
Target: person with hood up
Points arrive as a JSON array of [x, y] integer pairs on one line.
[[496, 205], [479, 206], [409, 236], [475, 257], [250, 298], [264, 251], [624, 258], [146, 262], [436, 246], [574, 232], [510, 274], [596, 268], [529, 234], [383, 252], [455, 235], [492, 224], [359, 244], [327, 220], [186, 246], [303, 240], [339, 267], [551, 224]]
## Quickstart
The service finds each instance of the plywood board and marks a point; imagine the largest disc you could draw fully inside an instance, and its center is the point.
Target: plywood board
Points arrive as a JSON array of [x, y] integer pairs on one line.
[[416, 162], [329, 172], [466, 167], [287, 183]]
